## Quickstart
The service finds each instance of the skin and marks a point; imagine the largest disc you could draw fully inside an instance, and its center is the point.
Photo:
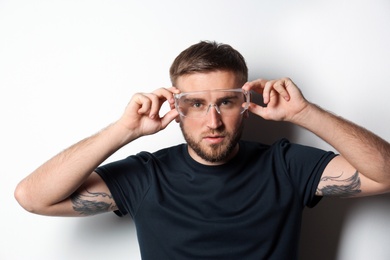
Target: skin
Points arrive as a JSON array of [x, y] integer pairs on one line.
[[362, 168], [68, 186], [211, 140]]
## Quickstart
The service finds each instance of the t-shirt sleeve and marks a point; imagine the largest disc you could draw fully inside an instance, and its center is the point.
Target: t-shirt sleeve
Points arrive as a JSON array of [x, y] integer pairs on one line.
[[305, 166], [128, 182]]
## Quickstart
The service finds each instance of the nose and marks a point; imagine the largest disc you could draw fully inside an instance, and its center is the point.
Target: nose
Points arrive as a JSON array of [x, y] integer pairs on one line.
[[213, 117]]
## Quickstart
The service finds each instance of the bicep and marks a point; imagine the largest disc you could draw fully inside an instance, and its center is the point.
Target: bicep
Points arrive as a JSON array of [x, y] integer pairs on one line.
[[93, 197], [341, 179]]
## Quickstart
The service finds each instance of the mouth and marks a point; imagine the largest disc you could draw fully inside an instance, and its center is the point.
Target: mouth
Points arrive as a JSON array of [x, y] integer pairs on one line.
[[214, 139]]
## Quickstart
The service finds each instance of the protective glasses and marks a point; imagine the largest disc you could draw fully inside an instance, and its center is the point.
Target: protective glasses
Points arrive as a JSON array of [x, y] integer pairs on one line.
[[227, 102]]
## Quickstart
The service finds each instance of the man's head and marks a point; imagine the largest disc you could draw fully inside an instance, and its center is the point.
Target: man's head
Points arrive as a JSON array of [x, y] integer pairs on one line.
[[210, 76], [206, 57]]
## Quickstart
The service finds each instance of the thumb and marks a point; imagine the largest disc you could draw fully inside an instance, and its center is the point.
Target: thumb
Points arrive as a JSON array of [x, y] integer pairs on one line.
[[168, 117], [257, 110]]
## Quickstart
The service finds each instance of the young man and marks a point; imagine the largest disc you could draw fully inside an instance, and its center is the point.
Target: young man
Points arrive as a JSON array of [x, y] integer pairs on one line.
[[215, 197]]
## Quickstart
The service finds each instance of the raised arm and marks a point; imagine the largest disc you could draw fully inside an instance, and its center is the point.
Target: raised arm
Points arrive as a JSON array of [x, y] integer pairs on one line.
[[66, 184], [363, 167]]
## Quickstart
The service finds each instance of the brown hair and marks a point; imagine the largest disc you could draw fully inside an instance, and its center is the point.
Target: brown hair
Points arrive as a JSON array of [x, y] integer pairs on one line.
[[208, 56]]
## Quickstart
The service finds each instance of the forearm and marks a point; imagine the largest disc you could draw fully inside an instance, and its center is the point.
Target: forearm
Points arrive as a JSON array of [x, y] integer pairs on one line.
[[59, 177], [368, 153]]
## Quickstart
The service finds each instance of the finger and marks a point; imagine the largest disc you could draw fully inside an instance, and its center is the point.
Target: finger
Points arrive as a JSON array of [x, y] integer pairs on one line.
[[156, 99], [273, 98], [267, 91], [255, 85], [261, 86], [144, 103], [280, 87], [174, 90], [167, 94], [154, 105], [171, 100]]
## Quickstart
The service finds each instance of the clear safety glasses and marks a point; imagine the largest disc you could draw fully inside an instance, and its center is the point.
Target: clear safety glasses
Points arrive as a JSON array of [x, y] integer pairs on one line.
[[227, 102]]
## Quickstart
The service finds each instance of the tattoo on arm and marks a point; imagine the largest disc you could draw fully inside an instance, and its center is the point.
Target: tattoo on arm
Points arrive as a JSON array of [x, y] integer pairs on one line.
[[341, 187], [91, 203]]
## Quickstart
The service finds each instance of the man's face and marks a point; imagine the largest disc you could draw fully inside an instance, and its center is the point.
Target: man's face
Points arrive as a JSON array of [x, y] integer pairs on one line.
[[213, 138]]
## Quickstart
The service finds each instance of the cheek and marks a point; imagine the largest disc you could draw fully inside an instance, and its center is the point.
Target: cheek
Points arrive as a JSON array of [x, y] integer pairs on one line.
[[233, 122], [190, 123], [189, 126]]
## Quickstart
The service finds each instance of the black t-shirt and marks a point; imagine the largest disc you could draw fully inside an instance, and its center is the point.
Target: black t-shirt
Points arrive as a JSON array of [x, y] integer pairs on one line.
[[248, 208]]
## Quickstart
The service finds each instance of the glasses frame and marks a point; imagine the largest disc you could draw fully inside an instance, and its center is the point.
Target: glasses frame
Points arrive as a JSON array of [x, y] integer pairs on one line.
[[238, 90]]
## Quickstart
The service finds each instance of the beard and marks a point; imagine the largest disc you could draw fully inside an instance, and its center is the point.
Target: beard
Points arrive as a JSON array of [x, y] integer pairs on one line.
[[215, 152]]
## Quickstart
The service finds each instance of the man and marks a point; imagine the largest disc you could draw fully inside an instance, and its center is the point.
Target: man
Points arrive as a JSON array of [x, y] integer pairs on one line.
[[215, 197]]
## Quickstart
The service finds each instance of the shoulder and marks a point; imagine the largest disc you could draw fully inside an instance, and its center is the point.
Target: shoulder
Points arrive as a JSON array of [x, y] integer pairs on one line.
[[294, 150], [252, 146], [138, 163], [285, 152], [176, 149], [149, 160], [145, 156]]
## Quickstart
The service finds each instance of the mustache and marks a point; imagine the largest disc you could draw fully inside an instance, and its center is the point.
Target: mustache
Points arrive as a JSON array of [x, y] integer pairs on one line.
[[215, 132]]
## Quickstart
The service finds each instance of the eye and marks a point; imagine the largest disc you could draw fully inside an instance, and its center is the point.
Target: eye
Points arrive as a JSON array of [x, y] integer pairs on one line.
[[226, 103], [196, 104]]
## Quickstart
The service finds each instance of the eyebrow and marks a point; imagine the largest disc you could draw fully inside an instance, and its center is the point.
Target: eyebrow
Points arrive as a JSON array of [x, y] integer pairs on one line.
[[217, 101], [227, 97]]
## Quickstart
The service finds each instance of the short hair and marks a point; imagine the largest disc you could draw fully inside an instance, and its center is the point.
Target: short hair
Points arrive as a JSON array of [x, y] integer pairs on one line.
[[207, 56]]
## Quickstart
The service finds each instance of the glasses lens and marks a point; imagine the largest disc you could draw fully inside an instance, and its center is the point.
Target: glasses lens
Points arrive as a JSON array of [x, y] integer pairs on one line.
[[226, 102]]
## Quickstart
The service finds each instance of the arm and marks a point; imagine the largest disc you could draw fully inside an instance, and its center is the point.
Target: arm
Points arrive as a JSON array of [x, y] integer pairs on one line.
[[66, 184], [363, 167]]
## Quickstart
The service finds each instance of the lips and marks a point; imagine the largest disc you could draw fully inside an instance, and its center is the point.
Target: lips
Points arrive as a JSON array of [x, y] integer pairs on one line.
[[214, 139]]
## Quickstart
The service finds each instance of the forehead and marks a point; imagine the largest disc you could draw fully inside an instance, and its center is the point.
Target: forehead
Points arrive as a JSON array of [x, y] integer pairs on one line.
[[218, 94], [207, 81]]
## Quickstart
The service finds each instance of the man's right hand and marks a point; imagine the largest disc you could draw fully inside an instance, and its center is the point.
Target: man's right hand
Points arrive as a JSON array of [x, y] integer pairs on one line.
[[142, 117]]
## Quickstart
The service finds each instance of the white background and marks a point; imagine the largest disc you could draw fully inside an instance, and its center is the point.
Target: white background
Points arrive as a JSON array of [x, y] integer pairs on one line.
[[68, 69]]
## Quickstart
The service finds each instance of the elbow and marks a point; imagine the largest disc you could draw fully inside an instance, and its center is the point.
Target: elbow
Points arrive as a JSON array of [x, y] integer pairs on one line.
[[24, 198]]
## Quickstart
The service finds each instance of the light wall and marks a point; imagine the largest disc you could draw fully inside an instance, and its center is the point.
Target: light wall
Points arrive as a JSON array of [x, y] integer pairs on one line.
[[68, 69]]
